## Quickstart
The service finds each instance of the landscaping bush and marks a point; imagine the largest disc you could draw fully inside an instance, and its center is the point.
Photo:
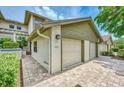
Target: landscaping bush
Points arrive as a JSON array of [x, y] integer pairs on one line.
[[9, 69], [121, 53], [121, 46], [4, 40], [115, 49], [22, 42], [10, 44]]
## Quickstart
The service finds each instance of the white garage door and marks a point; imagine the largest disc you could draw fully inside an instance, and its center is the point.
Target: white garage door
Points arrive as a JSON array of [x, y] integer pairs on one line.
[[71, 51], [92, 50]]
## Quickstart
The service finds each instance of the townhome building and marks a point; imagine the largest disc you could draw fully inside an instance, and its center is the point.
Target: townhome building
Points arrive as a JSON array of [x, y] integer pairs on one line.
[[14, 29]]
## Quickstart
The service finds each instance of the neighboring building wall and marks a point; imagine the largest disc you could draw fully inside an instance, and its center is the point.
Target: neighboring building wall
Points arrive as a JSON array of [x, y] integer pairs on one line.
[[55, 50], [4, 24], [109, 44], [42, 54], [81, 31], [101, 48], [86, 50], [4, 35]]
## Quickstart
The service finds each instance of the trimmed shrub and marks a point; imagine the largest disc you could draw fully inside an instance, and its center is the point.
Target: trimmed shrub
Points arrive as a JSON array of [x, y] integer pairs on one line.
[[9, 69], [121, 46], [121, 53], [22, 42], [4, 40], [115, 49], [10, 44]]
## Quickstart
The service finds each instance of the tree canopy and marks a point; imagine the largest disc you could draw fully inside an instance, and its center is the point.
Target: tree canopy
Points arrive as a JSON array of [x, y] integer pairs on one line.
[[111, 19]]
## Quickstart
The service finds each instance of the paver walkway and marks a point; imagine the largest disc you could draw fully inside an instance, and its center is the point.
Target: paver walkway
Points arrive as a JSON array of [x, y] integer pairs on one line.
[[33, 72], [102, 71]]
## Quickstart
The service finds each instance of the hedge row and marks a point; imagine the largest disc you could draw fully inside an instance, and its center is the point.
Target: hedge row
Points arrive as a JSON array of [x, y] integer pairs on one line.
[[9, 69], [10, 44]]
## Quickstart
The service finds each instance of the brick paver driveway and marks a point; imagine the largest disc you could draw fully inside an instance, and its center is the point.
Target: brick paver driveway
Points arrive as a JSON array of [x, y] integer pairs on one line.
[[33, 72], [102, 71]]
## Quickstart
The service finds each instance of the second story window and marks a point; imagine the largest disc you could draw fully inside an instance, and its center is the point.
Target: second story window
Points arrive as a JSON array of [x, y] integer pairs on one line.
[[11, 26], [19, 28]]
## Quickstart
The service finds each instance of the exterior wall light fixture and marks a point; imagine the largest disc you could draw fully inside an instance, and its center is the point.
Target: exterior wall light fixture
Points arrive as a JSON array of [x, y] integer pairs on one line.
[[58, 36]]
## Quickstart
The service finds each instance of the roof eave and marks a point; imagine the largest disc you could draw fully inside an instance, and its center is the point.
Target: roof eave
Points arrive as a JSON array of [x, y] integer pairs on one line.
[[1, 15]]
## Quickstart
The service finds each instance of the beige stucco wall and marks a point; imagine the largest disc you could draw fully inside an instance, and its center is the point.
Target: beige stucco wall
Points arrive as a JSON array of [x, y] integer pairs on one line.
[[55, 50], [86, 50], [30, 25], [81, 31], [42, 54], [4, 24]]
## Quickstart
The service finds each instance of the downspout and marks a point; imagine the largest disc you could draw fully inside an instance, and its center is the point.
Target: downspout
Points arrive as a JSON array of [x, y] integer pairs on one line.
[[44, 36]]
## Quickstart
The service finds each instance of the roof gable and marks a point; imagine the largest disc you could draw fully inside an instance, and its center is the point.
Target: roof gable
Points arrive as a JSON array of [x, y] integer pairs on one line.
[[28, 15], [107, 38], [65, 22], [69, 21]]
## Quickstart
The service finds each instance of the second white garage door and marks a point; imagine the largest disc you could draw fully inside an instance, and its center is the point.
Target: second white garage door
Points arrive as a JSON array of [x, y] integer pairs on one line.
[[92, 50], [71, 51]]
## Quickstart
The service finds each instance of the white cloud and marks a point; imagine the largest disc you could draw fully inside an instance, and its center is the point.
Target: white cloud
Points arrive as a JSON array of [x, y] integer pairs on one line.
[[48, 12], [75, 11], [61, 17]]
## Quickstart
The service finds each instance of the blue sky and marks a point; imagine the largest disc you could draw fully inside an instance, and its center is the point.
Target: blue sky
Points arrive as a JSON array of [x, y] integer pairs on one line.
[[53, 12]]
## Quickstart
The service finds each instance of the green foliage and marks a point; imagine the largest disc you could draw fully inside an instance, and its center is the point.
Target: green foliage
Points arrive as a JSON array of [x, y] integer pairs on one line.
[[22, 42], [121, 52], [121, 46], [115, 49], [111, 19], [9, 68], [3, 40], [10, 44], [119, 43]]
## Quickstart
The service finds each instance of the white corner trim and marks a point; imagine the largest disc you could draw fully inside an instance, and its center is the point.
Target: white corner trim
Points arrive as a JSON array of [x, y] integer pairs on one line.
[[42, 35]]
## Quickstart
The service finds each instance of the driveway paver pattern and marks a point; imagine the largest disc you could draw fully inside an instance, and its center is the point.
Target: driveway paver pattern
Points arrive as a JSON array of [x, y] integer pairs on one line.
[[33, 72], [100, 72]]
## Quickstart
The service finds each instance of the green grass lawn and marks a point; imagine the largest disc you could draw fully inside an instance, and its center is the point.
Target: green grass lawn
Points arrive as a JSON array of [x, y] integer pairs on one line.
[[9, 69]]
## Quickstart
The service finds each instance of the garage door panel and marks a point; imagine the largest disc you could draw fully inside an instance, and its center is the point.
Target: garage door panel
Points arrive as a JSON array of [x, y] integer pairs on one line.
[[92, 50], [71, 51]]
